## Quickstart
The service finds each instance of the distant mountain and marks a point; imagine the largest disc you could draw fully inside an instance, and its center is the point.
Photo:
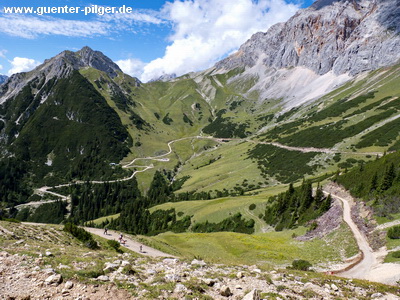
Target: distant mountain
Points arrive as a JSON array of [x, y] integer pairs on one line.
[[55, 120], [165, 77], [3, 78]]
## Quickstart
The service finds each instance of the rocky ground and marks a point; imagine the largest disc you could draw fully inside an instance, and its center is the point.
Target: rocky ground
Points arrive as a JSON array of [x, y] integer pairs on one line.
[[47, 263], [25, 277]]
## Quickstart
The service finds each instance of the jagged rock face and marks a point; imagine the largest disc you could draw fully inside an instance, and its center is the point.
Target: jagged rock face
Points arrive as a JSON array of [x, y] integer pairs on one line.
[[97, 60], [343, 36]]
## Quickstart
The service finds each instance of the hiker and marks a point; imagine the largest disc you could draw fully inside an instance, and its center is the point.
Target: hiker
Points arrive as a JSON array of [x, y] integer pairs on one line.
[[140, 249], [121, 238], [105, 230]]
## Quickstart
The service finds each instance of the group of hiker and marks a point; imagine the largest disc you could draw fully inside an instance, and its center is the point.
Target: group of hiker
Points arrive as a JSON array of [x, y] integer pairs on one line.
[[121, 239]]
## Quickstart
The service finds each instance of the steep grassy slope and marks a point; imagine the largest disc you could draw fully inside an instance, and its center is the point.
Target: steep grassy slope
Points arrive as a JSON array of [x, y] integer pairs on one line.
[[348, 118], [74, 134]]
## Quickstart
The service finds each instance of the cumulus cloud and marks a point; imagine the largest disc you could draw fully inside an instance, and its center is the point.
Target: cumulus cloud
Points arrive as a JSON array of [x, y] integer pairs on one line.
[[206, 30], [133, 67], [1, 67], [21, 64], [3, 53]]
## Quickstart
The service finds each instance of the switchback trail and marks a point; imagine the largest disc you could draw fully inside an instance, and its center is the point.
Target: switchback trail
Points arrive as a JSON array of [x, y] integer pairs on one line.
[[162, 158]]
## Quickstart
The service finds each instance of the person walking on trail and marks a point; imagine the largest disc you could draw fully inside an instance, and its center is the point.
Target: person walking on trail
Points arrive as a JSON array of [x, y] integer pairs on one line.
[[140, 248], [105, 230]]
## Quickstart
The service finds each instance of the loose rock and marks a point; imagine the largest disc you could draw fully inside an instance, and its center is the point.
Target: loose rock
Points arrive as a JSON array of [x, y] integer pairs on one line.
[[253, 295], [225, 291]]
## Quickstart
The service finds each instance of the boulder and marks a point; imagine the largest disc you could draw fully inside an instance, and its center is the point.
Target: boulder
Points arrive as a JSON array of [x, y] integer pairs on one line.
[[69, 285], [334, 287], [376, 295], [225, 291], [125, 263], [180, 288], [253, 295], [172, 278], [103, 278], [109, 267], [54, 279], [171, 261], [209, 281], [197, 262]]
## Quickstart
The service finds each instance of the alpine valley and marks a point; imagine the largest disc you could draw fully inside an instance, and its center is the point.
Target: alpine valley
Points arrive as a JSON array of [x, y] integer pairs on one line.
[[244, 163]]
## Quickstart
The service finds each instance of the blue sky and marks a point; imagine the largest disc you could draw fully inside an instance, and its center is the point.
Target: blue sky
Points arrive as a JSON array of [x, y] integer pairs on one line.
[[158, 37]]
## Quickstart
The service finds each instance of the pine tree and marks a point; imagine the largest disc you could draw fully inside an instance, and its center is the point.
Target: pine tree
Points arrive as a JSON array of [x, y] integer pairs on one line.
[[374, 183], [388, 179]]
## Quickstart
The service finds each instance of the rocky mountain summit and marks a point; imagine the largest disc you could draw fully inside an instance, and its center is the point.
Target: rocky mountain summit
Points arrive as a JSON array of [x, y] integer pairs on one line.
[[60, 66], [339, 36]]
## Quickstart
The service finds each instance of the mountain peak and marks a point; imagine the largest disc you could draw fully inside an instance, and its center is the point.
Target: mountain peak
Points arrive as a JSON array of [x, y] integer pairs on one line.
[[87, 57], [61, 66]]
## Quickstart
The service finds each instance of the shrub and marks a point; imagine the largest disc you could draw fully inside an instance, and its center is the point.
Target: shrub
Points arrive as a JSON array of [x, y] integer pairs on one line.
[[300, 264], [396, 254], [115, 245], [82, 235], [394, 232], [313, 226], [10, 220], [252, 206]]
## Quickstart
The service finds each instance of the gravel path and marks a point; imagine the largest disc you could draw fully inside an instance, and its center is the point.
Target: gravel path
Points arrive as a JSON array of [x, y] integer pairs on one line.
[[361, 269], [130, 243], [371, 267]]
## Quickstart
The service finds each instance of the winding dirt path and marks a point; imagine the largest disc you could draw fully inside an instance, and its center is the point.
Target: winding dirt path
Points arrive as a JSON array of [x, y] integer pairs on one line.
[[387, 225], [130, 243], [365, 265], [371, 266], [162, 158], [114, 235]]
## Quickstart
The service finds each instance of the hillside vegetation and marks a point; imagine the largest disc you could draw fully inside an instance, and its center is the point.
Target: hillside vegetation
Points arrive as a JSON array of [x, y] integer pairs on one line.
[[377, 182]]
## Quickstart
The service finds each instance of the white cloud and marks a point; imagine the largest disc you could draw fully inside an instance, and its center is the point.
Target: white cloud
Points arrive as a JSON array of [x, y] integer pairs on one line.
[[206, 30], [21, 64], [3, 53], [27, 26], [1, 67], [31, 27], [133, 67]]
